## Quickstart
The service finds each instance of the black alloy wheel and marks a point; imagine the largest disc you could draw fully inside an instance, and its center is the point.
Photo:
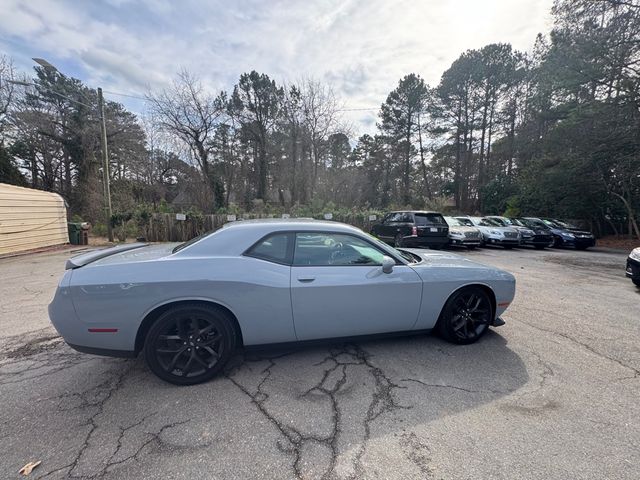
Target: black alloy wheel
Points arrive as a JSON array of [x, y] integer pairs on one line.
[[466, 316], [189, 344]]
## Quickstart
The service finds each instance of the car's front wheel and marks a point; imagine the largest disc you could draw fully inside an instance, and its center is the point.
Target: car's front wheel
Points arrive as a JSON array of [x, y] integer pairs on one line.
[[636, 281], [466, 316], [189, 344]]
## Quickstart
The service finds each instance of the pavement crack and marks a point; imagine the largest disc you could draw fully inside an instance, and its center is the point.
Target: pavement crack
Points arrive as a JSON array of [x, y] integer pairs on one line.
[[454, 387], [636, 371]]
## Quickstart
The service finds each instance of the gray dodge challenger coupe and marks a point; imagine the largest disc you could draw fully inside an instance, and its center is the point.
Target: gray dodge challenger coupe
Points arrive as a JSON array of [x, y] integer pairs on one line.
[[188, 306]]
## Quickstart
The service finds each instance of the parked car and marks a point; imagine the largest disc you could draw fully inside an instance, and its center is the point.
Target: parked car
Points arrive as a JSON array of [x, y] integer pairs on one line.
[[463, 235], [526, 234], [536, 234], [566, 235], [188, 306], [492, 232], [633, 266], [413, 229]]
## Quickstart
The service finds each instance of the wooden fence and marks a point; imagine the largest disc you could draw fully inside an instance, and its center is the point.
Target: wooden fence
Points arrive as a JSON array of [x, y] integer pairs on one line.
[[165, 227]]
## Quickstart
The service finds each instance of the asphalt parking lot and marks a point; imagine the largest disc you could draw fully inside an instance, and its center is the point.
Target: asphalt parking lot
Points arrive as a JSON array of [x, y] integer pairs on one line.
[[553, 394]]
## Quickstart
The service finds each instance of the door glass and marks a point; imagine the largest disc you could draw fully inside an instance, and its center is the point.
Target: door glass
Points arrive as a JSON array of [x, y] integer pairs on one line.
[[273, 248], [322, 249]]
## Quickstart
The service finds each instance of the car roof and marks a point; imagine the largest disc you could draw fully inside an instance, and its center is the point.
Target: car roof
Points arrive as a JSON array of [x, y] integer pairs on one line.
[[289, 223]]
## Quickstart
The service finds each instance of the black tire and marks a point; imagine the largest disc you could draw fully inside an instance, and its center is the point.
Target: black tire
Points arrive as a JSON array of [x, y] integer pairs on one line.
[[471, 247], [581, 247], [557, 242], [398, 242], [190, 344], [636, 281], [539, 247], [466, 316]]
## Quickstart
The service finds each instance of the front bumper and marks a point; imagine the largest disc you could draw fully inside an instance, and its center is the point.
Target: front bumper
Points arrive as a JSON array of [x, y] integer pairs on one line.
[[464, 241], [633, 269], [538, 240], [514, 242]]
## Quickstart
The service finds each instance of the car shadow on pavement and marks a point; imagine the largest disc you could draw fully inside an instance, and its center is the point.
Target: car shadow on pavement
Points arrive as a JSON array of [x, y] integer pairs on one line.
[[315, 411]]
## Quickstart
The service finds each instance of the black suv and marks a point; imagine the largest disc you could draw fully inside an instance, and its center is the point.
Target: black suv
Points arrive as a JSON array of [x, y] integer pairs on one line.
[[413, 229]]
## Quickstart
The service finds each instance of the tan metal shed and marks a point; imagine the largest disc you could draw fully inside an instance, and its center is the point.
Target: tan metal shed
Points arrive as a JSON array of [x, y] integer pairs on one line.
[[30, 219]]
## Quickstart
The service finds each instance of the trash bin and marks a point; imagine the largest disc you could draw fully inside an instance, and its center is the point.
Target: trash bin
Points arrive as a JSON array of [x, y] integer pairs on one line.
[[74, 232], [78, 233]]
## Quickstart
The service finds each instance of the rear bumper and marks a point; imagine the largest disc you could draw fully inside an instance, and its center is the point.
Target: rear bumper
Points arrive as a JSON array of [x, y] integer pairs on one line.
[[414, 241], [104, 351]]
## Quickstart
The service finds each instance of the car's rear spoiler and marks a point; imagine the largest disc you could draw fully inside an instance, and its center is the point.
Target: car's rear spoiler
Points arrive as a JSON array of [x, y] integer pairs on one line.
[[85, 258]]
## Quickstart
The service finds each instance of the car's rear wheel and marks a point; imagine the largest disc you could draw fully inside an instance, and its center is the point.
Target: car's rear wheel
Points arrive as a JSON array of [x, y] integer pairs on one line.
[[189, 344], [636, 281], [466, 316]]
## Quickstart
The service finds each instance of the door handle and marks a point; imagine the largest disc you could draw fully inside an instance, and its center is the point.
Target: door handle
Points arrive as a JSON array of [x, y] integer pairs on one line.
[[306, 279]]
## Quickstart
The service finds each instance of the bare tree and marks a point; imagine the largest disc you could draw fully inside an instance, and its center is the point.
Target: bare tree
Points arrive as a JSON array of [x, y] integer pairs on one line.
[[320, 109], [187, 111]]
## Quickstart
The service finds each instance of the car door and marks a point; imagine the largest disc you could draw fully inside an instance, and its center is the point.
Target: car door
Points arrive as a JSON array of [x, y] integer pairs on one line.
[[338, 288]]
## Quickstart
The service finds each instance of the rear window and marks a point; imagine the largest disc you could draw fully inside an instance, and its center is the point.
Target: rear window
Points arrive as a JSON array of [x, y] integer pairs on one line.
[[429, 219]]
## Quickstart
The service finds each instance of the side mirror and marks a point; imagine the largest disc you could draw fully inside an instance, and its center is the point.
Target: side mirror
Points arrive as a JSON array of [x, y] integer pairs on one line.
[[387, 264]]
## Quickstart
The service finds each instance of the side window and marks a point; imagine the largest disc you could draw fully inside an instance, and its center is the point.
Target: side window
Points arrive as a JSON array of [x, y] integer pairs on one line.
[[324, 249], [395, 217], [273, 248]]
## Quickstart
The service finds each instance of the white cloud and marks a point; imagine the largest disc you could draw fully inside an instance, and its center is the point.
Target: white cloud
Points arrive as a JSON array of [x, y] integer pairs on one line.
[[363, 48]]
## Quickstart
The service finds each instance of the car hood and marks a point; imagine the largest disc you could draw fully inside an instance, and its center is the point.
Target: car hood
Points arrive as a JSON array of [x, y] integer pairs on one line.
[[128, 253], [443, 259], [445, 267], [464, 228]]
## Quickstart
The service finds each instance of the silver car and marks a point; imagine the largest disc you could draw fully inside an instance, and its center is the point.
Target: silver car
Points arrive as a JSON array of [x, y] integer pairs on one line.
[[187, 307], [492, 232], [463, 235]]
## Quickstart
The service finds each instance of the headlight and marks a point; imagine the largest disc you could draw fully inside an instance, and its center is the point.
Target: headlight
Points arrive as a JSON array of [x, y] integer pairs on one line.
[[528, 233], [635, 254], [495, 232], [568, 235], [456, 233]]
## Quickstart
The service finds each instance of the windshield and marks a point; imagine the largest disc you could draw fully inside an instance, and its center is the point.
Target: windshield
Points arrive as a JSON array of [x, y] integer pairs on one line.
[[500, 221], [408, 256], [563, 224], [551, 224], [452, 222], [465, 221], [532, 223], [489, 222]]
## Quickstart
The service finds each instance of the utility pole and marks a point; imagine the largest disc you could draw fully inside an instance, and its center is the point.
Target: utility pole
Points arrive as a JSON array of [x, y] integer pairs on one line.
[[105, 164]]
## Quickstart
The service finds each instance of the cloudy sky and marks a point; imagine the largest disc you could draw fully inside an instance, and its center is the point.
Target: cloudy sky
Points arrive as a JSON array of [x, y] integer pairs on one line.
[[361, 47]]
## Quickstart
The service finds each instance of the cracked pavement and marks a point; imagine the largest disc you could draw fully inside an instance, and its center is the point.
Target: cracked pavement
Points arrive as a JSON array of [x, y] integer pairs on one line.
[[553, 394]]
